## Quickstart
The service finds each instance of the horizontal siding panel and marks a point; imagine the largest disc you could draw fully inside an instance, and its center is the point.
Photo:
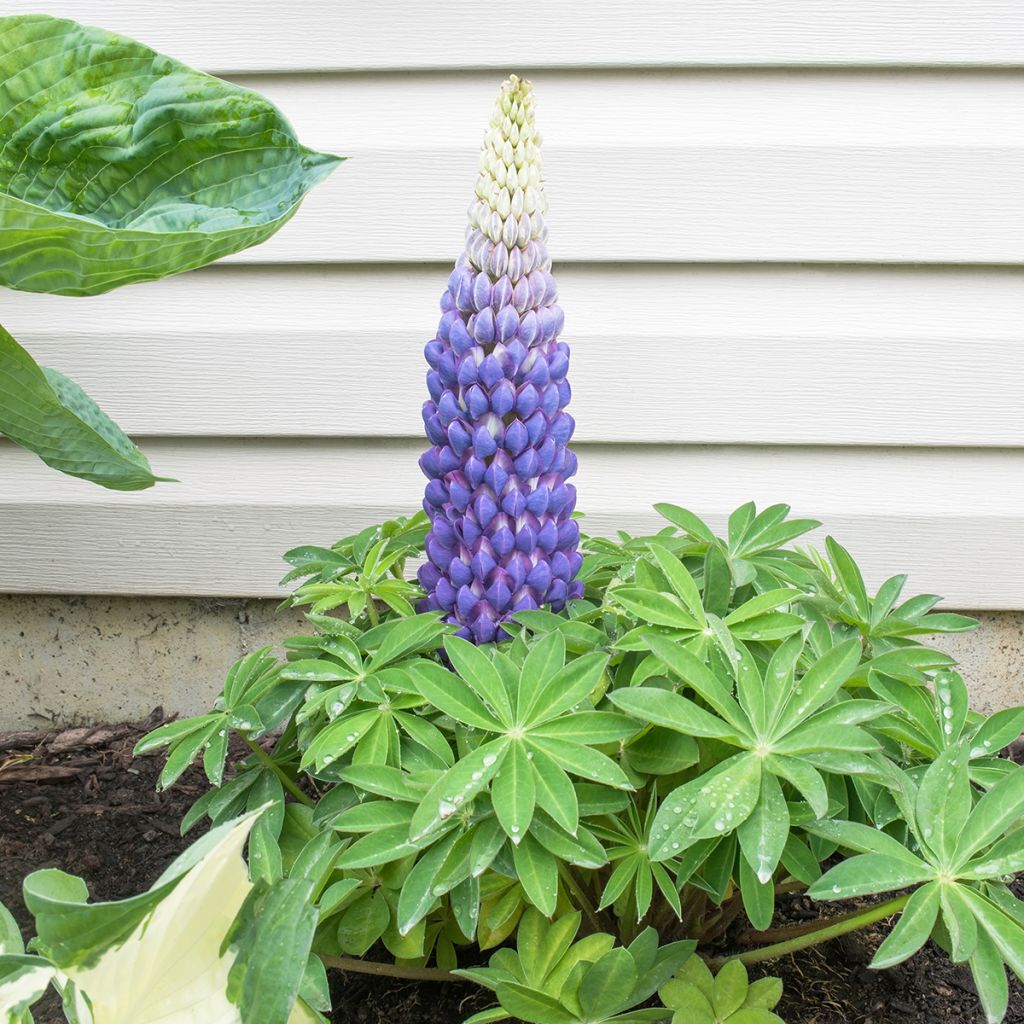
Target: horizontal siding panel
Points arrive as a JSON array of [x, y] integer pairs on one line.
[[861, 204], [671, 109], [390, 34], [947, 517], [758, 355]]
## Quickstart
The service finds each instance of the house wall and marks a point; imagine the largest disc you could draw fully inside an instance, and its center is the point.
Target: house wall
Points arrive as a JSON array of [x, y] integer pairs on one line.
[[789, 238]]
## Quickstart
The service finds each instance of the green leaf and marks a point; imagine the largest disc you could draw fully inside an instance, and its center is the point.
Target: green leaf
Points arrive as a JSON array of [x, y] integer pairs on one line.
[[418, 894], [686, 521], [478, 671], [657, 609], [912, 930], [819, 684], [692, 671], [608, 984], [568, 687], [680, 581], [122, 165], [537, 871], [583, 762], [714, 804], [999, 809], [363, 923], [54, 418], [458, 786], [763, 835], [271, 938], [730, 989], [555, 792], [758, 897], [671, 711], [593, 728], [867, 874], [513, 792], [958, 918], [990, 979], [943, 802], [545, 658], [850, 578], [452, 694], [532, 1006], [542, 944]]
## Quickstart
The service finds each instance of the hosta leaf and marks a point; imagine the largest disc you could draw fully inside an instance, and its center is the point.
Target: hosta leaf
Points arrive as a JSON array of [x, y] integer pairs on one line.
[[912, 930], [54, 418], [122, 165]]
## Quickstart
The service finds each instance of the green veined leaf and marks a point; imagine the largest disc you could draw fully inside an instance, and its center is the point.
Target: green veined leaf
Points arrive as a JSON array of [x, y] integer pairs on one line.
[[990, 979], [53, 417], [555, 792], [514, 793], [545, 658], [692, 671], [537, 871], [686, 521], [458, 786], [912, 930], [680, 580], [122, 165], [451, 694], [568, 687], [608, 984], [866, 874], [479, 673], [583, 762], [819, 683], [960, 923], [1000, 808], [763, 835], [529, 1005], [711, 805], [672, 711], [655, 608]]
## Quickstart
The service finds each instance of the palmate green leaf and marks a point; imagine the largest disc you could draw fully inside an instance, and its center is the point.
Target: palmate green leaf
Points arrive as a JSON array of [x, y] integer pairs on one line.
[[866, 874], [912, 930], [1000, 808], [713, 804], [43, 411], [122, 165], [514, 792]]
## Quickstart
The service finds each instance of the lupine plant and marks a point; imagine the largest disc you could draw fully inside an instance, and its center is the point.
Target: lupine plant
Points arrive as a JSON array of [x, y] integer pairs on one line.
[[590, 770], [502, 536]]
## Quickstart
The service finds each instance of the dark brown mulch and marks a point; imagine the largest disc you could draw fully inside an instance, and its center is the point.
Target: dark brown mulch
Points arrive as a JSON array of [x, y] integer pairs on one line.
[[77, 800]]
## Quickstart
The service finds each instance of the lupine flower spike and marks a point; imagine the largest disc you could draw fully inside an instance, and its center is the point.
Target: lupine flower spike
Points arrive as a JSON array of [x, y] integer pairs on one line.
[[502, 538]]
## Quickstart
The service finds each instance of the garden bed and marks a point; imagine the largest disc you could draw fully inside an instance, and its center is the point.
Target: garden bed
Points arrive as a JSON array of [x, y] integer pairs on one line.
[[78, 800]]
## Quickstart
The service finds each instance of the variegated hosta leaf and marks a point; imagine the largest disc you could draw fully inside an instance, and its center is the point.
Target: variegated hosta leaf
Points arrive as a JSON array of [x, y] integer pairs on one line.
[[119, 164], [201, 947], [52, 416]]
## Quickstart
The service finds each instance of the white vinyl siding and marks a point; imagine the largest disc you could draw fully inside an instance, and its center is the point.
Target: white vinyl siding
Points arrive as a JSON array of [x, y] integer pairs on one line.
[[789, 239]]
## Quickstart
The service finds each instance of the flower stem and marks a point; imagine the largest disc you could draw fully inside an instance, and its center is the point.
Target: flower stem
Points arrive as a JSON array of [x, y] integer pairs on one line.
[[267, 761], [345, 963], [828, 930]]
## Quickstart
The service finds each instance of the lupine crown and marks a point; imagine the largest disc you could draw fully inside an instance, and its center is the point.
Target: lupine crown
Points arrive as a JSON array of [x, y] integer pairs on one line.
[[502, 537]]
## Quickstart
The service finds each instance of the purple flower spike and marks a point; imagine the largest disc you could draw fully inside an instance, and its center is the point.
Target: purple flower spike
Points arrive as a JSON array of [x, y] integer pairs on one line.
[[502, 539]]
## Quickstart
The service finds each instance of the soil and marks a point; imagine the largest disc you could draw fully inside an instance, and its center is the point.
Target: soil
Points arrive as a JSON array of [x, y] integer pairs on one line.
[[78, 800]]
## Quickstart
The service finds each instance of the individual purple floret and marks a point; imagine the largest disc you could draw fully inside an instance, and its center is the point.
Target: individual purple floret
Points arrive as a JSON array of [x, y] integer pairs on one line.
[[502, 538]]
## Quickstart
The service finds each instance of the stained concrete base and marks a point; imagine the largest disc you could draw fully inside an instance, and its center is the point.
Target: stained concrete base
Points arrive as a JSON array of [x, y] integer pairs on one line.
[[79, 660]]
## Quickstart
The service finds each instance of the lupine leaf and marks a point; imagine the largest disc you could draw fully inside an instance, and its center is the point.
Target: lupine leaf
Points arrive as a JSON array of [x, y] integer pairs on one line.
[[1000, 808], [912, 930], [866, 874]]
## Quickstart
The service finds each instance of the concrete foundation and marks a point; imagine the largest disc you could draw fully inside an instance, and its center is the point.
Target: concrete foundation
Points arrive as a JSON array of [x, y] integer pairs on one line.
[[81, 660]]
